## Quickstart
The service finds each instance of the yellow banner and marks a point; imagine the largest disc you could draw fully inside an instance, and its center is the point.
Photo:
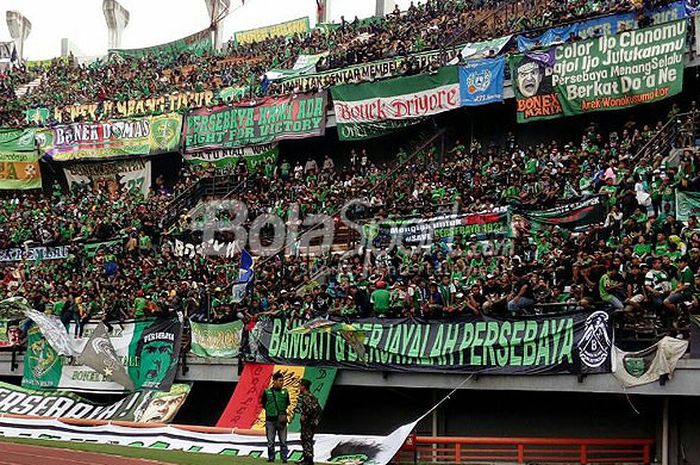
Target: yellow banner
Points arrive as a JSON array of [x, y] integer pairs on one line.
[[19, 171], [300, 25]]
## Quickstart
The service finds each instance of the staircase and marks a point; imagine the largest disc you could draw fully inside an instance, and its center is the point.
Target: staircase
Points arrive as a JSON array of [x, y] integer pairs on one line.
[[22, 90]]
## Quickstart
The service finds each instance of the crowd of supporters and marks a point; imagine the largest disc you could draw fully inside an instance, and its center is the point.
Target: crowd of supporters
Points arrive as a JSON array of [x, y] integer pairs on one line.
[[431, 25], [123, 261], [640, 261]]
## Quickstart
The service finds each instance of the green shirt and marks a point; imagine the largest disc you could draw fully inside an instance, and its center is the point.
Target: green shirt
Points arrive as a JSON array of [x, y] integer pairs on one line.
[[380, 300]]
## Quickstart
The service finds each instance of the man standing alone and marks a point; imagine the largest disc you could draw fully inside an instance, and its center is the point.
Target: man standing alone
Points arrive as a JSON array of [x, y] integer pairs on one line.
[[275, 401], [310, 411]]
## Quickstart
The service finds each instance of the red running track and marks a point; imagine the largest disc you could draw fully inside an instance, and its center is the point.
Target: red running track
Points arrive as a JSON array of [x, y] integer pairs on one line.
[[16, 454]]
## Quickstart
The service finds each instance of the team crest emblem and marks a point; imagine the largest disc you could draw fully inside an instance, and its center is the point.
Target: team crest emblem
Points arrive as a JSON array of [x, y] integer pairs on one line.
[[479, 81]]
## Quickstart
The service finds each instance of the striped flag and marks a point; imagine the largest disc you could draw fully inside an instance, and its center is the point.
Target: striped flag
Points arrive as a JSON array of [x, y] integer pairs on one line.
[[244, 410]]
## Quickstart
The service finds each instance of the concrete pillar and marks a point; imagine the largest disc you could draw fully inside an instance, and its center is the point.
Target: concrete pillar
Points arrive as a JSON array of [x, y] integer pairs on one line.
[[218, 10], [117, 18], [323, 9], [19, 28], [384, 7]]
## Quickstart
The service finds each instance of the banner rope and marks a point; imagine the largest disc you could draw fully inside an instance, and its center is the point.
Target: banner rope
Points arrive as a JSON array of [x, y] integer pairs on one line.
[[447, 397]]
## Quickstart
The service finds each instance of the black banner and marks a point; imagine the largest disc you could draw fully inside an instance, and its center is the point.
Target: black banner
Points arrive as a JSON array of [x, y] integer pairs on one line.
[[576, 342], [577, 215]]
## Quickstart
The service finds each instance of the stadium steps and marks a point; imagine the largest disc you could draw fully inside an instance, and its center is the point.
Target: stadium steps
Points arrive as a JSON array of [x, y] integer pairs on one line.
[[22, 90], [680, 131]]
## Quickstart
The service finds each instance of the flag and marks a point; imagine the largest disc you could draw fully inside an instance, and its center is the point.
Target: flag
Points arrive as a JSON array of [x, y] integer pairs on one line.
[[245, 277], [244, 410], [53, 331], [100, 355]]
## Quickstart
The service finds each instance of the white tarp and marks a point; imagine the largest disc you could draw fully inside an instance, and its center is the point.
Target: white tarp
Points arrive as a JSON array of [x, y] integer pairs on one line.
[[648, 365], [373, 450]]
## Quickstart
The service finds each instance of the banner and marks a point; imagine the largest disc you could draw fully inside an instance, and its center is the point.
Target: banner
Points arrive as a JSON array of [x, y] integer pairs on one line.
[[305, 64], [648, 365], [484, 49], [256, 122], [608, 73], [197, 44], [192, 248], [122, 138], [253, 156], [607, 25], [34, 254], [328, 448], [139, 407], [118, 109], [406, 98], [216, 340], [697, 28], [53, 331], [687, 205], [288, 28], [149, 349], [10, 333], [416, 231], [18, 140], [577, 342], [126, 175], [19, 170], [19, 162], [576, 216], [372, 71], [245, 410], [481, 81]]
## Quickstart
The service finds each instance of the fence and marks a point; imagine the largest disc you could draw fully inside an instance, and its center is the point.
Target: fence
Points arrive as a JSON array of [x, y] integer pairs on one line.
[[457, 450]]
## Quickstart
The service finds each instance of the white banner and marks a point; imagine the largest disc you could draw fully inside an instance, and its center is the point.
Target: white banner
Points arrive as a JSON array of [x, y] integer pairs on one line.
[[54, 332], [124, 174], [33, 254], [366, 450], [410, 105], [648, 365]]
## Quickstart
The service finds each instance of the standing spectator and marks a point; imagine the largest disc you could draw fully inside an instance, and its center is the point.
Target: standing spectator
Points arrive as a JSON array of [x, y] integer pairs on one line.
[[275, 401], [310, 411]]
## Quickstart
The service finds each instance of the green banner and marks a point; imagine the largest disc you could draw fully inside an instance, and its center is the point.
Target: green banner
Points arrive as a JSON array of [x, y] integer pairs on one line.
[[373, 108], [216, 340], [254, 156], [256, 122], [120, 138], [17, 140], [149, 349], [608, 73], [687, 205], [139, 406], [19, 170], [288, 28], [197, 43]]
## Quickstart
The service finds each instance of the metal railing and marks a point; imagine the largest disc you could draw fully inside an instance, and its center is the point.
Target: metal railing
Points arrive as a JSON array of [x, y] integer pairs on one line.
[[458, 450], [668, 137], [214, 186]]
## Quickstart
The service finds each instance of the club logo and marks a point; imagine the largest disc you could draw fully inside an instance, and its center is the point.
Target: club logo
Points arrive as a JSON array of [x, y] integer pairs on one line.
[[479, 81], [594, 346], [165, 133]]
